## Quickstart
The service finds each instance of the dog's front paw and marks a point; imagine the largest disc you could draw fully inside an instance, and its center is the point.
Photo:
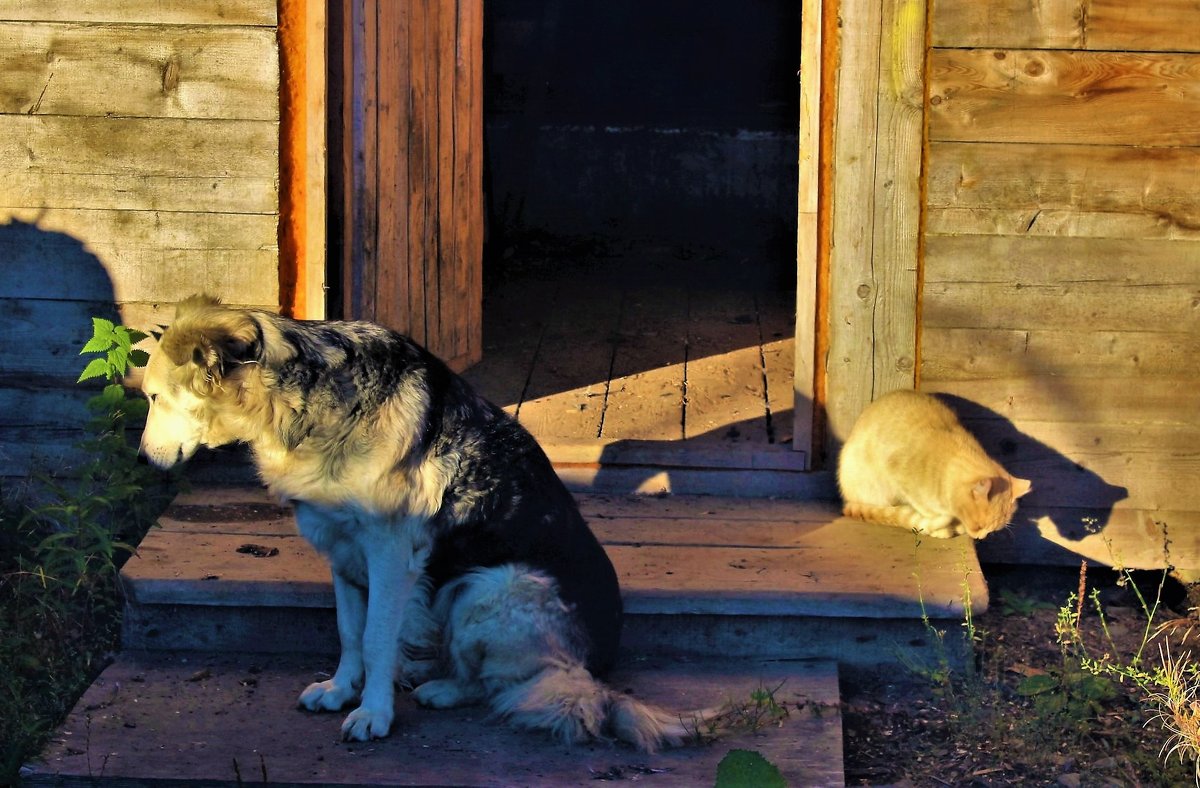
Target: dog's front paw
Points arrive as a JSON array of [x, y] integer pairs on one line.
[[364, 724], [327, 696]]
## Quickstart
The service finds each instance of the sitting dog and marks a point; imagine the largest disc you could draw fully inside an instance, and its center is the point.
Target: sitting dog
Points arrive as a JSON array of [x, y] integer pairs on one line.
[[461, 564]]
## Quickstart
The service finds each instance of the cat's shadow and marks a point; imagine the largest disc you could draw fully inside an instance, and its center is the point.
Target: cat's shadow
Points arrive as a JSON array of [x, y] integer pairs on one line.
[[1077, 500]]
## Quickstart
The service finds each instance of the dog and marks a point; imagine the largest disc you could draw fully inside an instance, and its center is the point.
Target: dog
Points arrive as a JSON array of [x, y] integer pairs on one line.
[[461, 564]]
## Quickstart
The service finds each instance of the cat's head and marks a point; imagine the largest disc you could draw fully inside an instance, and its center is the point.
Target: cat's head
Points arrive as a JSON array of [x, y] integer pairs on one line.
[[989, 502]]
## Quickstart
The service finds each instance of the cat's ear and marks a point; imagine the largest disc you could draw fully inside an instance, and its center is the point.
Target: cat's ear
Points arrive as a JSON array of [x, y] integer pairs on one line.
[[981, 490], [1021, 486]]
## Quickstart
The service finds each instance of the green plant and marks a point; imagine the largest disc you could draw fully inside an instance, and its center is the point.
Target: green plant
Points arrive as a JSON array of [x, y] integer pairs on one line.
[[738, 715], [1177, 709], [64, 542], [748, 769], [1068, 697], [1168, 688], [957, 688], [760, 711], [1015, 603]]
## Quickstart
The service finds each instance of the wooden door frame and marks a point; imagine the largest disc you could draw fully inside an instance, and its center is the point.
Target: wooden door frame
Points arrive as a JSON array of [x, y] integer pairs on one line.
[[862, 162], [859, 336], [303, 157]]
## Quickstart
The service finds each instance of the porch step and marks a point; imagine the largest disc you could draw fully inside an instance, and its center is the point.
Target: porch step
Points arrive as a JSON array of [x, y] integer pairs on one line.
[[701, 576], [705, 467], [213, 719]]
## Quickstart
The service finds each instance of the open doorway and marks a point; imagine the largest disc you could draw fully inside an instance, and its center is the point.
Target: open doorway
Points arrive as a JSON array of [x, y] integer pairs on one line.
[[640, 189], [639, 172]]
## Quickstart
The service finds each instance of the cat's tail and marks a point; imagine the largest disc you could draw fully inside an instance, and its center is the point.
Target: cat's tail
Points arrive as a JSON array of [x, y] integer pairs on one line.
[[902, 516], [564, 699]]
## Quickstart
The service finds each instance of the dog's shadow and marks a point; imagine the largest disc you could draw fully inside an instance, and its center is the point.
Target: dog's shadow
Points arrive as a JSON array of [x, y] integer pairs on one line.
[[1077, 500], [53, 285]]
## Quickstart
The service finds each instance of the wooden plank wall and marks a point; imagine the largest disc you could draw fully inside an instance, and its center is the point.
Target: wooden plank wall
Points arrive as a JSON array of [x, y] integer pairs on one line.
[[1061, 283], [138, 164]]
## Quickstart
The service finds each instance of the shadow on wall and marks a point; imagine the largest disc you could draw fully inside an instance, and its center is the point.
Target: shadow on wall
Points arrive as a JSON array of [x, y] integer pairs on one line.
[[1078, 501], [52, 287]]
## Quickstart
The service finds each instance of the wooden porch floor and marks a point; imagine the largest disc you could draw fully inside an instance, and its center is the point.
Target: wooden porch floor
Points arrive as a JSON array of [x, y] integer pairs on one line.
[[596, 365]]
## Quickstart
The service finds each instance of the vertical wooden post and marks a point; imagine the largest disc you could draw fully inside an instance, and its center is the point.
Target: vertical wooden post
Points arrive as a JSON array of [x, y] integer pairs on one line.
[[316, 159], [809, 245], [876, 212], [302, 163]]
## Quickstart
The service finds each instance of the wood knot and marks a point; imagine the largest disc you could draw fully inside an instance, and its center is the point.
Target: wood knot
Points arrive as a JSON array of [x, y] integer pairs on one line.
[[170, 76]]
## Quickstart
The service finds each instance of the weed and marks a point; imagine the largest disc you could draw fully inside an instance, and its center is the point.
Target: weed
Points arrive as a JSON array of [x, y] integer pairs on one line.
[[1039, 714], [761, 710], [64, 543], [1168, 688], [1015, 603], [1177, 709]]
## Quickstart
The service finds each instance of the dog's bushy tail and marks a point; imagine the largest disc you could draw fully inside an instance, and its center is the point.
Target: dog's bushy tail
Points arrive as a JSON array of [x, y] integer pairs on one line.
[[566, 700]]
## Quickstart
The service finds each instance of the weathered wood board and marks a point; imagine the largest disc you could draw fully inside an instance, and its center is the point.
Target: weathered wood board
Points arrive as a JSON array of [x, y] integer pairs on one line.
[[163, 12], [1061, 284], [138, 71], [1111, 191], [1047, 96], [139, 163], [654, 375], [646, 389], [1164, 25]]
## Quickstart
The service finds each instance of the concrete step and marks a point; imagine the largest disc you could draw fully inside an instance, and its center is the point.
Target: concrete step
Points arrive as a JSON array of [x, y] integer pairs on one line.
[[700, 576], [210, 719]]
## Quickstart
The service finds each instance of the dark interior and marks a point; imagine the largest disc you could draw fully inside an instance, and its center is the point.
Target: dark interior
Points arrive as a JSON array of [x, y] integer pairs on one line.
[[657, 139]]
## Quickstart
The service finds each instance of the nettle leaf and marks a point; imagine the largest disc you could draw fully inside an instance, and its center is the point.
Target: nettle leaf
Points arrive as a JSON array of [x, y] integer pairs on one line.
[[139, 358], [111, 397], [96, 345], [136, 336], [118, 360], [748, 769], [96, 368], [1096, 688], [123, 340], [135, 408], [104, 329], [1037, 685]]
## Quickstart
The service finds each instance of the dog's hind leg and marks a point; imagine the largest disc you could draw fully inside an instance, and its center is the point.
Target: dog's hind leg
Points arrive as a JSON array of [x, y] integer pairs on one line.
[[420, 640], [343, 687], [499, 625]]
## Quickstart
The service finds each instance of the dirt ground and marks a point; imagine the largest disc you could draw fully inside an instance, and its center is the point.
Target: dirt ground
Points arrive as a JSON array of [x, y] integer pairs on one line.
[[1022, 712]]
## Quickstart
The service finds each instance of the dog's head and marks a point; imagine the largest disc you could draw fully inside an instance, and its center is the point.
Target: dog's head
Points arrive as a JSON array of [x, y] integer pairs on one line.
[[196, 380]]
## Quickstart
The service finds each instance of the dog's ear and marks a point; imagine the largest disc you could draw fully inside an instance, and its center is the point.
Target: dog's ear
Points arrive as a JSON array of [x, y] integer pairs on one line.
[[219, 342]]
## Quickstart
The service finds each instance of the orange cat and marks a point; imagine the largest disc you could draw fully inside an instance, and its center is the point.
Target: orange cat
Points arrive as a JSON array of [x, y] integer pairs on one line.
[[909, 462]]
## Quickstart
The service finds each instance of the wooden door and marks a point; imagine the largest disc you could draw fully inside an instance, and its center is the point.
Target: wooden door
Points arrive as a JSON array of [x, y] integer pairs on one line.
[[406, 159]]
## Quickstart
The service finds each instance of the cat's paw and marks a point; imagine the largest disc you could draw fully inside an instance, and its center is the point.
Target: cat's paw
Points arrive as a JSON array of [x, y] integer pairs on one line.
[[327, 696], [939, 527], [364, 724]]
